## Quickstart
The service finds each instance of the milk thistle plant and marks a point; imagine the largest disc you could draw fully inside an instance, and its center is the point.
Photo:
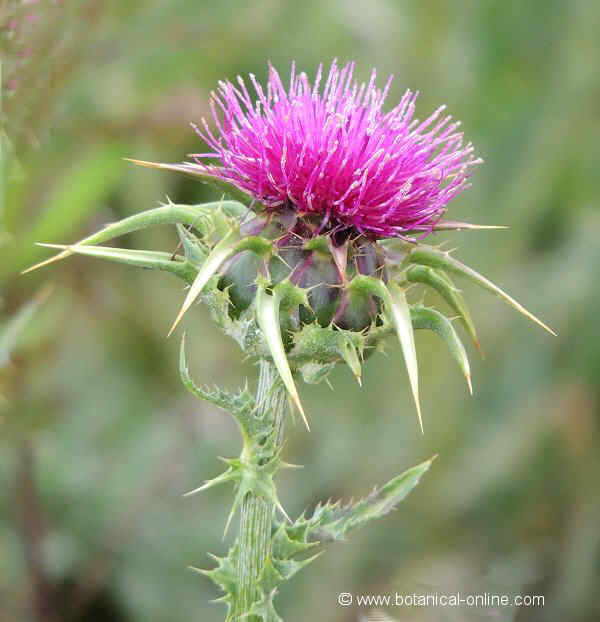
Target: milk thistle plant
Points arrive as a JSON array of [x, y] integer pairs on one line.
[[307, 265]]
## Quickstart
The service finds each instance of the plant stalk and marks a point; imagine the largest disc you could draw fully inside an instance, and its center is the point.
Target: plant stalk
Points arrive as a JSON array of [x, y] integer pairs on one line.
[[257, 513]]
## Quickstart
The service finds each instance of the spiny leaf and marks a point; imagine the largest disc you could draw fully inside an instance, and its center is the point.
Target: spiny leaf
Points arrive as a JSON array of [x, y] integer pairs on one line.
[[267, 315], [263, 609], [287, 568], [248, 475], [224, 575], [153, 260], [200, 174], [431, 319], [285, 547], [444, 286], [194, 216], [256, 479], [439, 259], [332, 521], [232, 474], [386, 498], [240, 405]]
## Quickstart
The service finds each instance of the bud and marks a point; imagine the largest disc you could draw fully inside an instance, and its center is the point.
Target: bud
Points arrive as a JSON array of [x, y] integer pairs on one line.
[[322, 266]]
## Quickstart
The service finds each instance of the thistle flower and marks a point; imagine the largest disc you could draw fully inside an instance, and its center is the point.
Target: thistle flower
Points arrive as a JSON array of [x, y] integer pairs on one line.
[[331, 151], [325, 175], [297, 269]]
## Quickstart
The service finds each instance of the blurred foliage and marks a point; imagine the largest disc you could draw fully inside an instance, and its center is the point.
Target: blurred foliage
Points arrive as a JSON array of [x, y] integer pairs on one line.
[[98, 439]]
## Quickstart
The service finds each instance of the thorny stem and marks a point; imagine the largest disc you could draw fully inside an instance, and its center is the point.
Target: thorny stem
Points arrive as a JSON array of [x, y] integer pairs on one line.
[[257, 513]]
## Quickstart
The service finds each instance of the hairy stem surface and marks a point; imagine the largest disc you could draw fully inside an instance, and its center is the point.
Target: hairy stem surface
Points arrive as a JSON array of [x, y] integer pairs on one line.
[[257, 513]]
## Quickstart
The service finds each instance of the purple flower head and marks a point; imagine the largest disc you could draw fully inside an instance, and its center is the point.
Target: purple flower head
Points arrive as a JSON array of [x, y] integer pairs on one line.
[[328, 148]]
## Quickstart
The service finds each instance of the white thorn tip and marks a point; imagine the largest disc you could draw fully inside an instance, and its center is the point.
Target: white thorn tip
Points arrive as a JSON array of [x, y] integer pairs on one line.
[[47, 262], [196, 490], [419, 415]]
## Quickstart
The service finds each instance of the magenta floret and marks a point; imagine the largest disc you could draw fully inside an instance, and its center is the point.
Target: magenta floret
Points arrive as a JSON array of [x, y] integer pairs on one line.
[[328, 148]]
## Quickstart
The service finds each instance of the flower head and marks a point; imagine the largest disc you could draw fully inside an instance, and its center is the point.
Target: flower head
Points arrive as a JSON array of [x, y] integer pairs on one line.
[[305, 281], [327, 148]]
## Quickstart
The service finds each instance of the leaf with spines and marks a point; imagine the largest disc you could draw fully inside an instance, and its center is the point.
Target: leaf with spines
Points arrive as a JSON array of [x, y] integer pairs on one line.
[[224, 575], [274, 572], [249, 475], [263, 609], [287, 568], [284, 547], [241, 406], [332, 521], [431, 319], [232, 474], [267, 315], [443, 285], [435, 258], [200, 217], [278, 568], [329, 522]]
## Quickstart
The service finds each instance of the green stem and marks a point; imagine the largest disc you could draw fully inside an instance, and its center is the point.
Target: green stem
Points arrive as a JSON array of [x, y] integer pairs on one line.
[[257, 513]]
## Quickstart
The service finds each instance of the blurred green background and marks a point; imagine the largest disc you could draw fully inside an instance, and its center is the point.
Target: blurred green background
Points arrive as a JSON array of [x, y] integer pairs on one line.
[[98, 439]]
